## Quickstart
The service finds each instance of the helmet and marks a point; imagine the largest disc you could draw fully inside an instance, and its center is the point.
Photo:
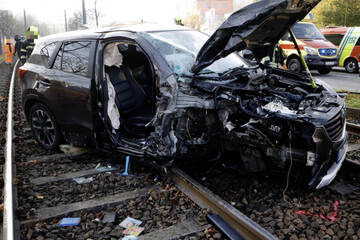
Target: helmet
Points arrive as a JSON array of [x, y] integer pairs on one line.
[[17, 37], [178, 21], [32, 32]]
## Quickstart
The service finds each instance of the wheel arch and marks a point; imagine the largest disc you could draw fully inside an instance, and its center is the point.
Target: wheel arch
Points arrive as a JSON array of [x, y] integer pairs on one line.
[[292, 56], [30, 102], [350, 58]]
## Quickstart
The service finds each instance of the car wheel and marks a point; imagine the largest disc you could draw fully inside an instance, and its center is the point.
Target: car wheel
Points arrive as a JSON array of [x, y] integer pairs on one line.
[[324, 70], [294, 65], [44, 126], [351, 66]]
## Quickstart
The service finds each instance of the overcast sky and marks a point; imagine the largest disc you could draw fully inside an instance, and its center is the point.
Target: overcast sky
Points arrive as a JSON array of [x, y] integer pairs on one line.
[[52, 11]]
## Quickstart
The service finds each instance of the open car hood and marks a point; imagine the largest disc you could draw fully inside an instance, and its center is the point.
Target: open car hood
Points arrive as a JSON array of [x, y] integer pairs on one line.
[[257, 27]]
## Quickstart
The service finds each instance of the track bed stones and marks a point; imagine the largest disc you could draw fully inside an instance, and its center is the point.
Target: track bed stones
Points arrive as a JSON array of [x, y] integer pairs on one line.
[[299, 214], [162, 207]]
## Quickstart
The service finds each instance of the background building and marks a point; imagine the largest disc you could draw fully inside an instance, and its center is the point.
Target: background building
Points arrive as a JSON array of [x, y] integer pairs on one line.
[[214, 12]]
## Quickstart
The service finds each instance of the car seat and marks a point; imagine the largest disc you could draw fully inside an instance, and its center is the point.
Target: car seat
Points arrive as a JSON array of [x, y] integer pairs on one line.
[[130, 100]]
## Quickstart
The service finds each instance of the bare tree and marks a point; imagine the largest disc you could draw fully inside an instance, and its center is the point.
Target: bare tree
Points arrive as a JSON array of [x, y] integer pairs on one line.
[[194, 21], [94, 14], [97, 13], [7, 23], [75, 21]]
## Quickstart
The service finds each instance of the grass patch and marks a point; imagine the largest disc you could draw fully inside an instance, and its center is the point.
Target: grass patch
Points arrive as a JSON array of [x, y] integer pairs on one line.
[[353, 100]]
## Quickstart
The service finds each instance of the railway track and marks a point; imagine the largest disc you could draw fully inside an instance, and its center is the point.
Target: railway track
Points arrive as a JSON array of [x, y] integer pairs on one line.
[[49, 188], [176, 209], [353, 128]]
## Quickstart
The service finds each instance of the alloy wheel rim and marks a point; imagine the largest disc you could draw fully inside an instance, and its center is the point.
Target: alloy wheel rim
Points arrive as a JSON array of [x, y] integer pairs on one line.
[[44, 127], [294, 67], [351, 66]]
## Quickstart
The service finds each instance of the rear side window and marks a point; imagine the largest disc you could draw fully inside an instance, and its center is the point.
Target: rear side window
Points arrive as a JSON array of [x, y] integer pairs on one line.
[[334, 38], [73, 57], [286, 37], [46, 52], [42, 53], [358, 42]]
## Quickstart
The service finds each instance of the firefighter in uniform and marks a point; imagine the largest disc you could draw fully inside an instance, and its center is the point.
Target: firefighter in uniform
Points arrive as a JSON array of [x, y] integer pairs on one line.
[[28, 45], [17, 45], [278, 56], [178, 21], [8, 51]]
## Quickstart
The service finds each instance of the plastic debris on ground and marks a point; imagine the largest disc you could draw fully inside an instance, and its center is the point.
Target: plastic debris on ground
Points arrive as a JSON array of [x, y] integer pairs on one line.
[[109, 217], [129, 222], [330, 217], [343, 188], [70, 150], [39, 197], [130, 237], [69, 222], [105, 168], [134, 230], [132, 226], [82, 180], [99, 216]]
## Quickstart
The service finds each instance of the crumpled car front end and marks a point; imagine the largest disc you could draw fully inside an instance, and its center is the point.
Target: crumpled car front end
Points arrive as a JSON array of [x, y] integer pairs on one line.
[[263, 116]]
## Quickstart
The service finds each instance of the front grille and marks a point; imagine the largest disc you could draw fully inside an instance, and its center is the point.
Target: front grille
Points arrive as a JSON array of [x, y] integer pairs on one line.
[[334, 127], [328, 52]]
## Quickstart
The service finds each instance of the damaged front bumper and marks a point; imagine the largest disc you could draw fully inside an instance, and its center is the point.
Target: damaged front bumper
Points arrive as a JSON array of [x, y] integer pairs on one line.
[[317, 62], [335, 167], [334, 151]]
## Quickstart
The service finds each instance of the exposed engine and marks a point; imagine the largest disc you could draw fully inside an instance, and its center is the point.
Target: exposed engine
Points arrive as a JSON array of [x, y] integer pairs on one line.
[[254, 115]]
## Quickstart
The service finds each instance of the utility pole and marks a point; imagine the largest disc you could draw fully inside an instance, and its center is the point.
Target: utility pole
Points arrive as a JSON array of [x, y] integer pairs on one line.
[[96, 14], [25, 25], [346, 7], [65, 21], [83, 12], [1, 41]]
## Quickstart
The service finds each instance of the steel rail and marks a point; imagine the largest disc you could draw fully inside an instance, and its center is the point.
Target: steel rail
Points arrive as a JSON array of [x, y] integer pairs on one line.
[[353, 113], [246, 227], [353, 128], [9, 232]]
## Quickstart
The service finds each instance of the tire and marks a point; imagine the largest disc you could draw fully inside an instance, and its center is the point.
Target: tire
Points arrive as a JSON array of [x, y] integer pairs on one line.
[[44, 127], [351, 66], [294, 65], [324, 70]]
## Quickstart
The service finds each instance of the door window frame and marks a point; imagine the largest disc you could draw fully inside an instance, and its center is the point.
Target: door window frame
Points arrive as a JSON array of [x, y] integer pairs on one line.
[[91, 60]]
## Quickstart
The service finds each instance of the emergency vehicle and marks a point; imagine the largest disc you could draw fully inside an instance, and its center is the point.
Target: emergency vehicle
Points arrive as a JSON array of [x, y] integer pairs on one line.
[[319, 53], [348, 42]]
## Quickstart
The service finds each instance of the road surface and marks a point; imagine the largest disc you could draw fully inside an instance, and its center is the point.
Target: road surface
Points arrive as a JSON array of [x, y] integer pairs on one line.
[[340, 79]]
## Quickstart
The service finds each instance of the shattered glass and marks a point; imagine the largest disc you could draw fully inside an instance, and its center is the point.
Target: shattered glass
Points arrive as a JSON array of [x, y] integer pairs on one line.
[[179, 49]]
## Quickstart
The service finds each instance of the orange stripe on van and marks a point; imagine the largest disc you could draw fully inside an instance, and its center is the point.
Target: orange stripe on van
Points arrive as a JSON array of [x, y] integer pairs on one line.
[[290, 46]]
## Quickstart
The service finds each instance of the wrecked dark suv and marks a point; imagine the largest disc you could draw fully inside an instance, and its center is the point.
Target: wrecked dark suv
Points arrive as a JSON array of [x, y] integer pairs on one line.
[[171, 93]]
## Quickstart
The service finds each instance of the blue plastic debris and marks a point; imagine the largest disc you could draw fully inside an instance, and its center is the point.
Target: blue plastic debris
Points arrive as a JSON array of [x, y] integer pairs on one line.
[[127, 163], [69, 222]]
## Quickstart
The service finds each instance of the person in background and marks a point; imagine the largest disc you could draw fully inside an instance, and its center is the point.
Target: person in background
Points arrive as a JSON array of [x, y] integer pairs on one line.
[[8, 51], [178, 21], [28, 45], [18, 43]]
